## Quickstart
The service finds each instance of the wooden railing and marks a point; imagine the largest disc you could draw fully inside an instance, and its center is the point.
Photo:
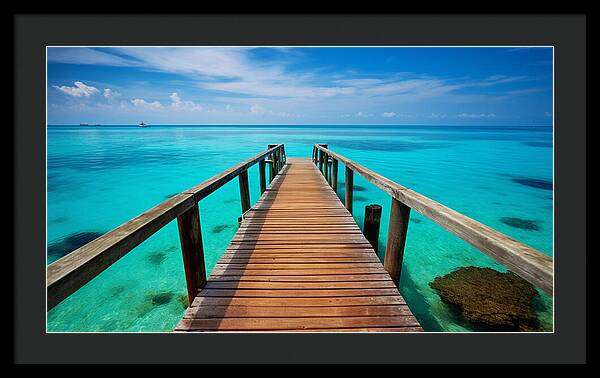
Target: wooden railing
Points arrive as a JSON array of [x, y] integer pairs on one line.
[[521, 259], [71, 272]]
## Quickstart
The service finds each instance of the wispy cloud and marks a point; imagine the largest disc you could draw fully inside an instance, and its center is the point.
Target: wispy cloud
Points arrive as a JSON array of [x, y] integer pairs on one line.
[[479, 115], [140, 103], [179, 104], [79, 90]]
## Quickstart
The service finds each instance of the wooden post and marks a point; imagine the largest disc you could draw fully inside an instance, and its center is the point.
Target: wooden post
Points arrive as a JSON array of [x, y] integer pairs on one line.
[[321, 154], [271, 171], [394, 249], [190, 238], [272, 164], [262, 176], [326, 167], [349, 188], [371, 224], [244, 191], [334, 175]]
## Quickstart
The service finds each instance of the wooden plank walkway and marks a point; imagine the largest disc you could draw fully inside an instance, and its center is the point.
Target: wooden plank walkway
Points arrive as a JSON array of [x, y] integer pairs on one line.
[[297, 263]]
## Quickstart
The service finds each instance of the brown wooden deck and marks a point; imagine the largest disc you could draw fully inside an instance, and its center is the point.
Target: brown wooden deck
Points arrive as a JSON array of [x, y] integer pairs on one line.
[[299, 262]]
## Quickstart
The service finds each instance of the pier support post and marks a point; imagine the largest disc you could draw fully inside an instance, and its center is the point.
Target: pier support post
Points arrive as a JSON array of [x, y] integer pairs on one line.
[[271, 170], [334, 175], [244, 191], [371, 224], [349, 188], [321, 154], [272, 163], [190, 238], [262, 177], [322, 158], [326, 167], [394, 249]]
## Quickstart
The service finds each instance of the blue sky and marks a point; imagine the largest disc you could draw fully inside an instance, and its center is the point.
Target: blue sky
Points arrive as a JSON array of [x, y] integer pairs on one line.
[[225, 85]]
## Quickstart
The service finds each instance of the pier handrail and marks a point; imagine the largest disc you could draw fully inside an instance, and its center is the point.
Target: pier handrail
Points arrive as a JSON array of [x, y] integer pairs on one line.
[[529, 263], [69, 273]]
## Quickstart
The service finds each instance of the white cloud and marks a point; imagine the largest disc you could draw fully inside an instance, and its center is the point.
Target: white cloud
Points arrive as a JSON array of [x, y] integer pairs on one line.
[[79, 90], [363, 114], [260, 110], [480, 115], [438, 115], [183, 105], [389, 114], [257, 109], [140, 103], [109, 94]]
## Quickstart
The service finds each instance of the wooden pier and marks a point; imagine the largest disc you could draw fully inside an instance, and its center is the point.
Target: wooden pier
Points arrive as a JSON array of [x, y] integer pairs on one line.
[[298, 261]]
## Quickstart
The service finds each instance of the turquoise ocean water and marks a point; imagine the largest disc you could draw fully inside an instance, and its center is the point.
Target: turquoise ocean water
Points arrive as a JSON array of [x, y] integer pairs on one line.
[[101, 176]]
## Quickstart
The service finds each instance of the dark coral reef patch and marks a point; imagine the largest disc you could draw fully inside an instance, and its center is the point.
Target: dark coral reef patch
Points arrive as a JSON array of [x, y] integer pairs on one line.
[[156, 258], [71, 242], [489, 299], [220, 228], [534, 183], [523, 224]]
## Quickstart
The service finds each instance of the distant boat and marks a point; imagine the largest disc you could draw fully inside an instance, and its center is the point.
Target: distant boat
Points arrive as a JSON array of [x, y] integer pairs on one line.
[[83, 124], [142, 124]]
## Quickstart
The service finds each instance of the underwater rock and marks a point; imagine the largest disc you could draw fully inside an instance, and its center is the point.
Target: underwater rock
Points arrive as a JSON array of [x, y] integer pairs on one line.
[[59, 220], [116, 290], [358, 188], [360, 198], [523, 224], [156, 258], [171, 195], [230, 200], [71, 242], [534, 183], [220, 228], [160, 298], [489, 299], [415, 220]]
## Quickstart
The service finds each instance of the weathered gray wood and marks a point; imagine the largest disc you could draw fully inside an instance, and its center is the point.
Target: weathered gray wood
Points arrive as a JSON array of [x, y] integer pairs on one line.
[[371, 225], [530, 264], [334, 175], [349, 188], [244, 191], [69, 273], [262, 177], [394, 248], [190, 237]]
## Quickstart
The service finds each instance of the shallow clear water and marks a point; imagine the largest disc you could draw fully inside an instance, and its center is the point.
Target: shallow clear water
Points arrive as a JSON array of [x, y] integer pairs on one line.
[[100, 177]]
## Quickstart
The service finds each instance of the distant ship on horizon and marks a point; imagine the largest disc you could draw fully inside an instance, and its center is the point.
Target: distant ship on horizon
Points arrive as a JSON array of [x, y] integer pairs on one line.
[[83, 124], [142, 124]]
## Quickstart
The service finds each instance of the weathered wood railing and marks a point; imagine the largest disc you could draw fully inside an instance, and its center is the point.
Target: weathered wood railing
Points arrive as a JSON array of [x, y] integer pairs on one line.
[[71, 272], [521, 259]]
